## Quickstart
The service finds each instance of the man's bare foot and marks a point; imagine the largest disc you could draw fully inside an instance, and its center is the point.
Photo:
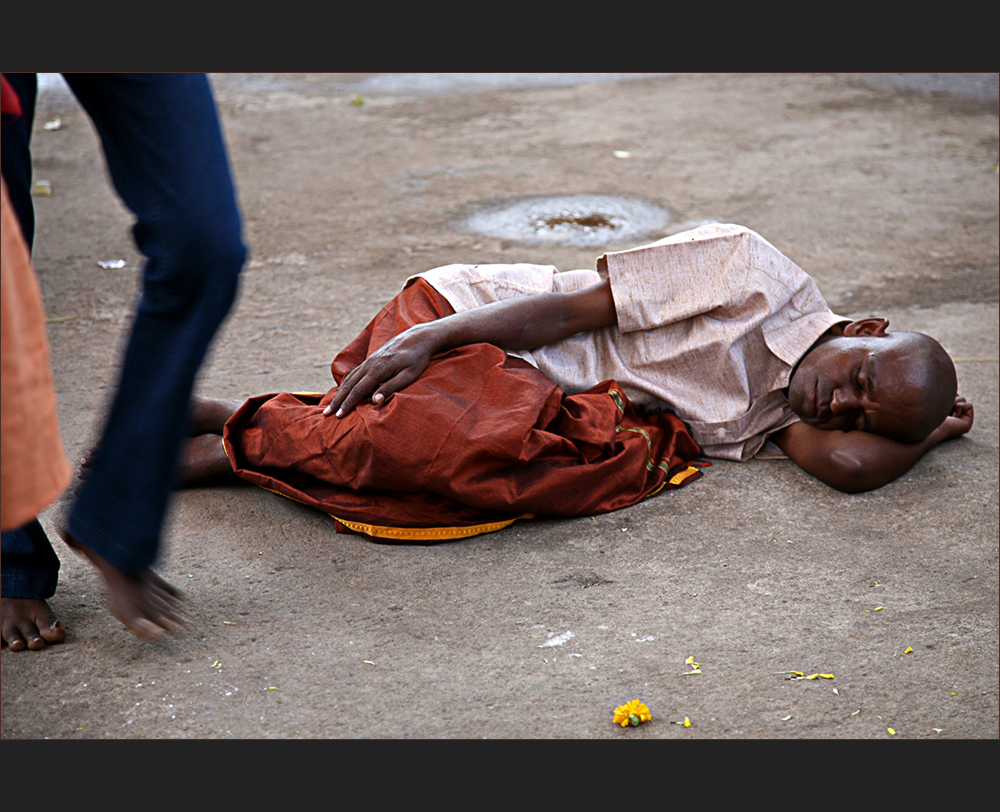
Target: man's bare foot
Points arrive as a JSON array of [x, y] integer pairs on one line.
[[202, 462], [202, 459], [28, 623], [147, 605]]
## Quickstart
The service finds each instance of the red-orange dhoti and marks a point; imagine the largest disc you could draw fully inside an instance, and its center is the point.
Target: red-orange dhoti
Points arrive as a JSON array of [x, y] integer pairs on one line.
[[481, 439]]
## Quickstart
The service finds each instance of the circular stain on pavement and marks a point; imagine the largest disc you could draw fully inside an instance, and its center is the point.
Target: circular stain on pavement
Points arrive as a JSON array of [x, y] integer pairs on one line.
[[584, 220]]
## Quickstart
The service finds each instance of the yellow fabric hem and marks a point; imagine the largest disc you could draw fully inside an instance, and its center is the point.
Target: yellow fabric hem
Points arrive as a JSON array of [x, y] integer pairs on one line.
[[416, 533], [428, 533]]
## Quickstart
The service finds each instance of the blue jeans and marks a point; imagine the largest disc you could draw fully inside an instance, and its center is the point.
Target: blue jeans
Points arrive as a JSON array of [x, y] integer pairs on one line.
[[165, 153]]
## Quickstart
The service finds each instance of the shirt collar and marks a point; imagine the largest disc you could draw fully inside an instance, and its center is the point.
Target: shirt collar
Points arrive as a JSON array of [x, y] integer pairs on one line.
[[791, 340]]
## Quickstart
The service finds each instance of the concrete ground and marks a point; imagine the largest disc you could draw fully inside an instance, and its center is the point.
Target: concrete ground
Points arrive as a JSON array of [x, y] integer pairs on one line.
[[883, 187]]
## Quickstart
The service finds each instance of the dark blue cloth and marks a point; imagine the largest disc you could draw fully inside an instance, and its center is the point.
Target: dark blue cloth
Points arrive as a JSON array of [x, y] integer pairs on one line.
[[166, 157], [30, 565]]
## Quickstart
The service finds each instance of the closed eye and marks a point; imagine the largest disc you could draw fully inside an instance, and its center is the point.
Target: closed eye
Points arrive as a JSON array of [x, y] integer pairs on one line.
[[869, 388]]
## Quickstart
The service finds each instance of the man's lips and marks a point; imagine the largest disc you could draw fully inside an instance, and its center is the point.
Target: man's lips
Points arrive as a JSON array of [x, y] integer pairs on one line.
[[817, 403]]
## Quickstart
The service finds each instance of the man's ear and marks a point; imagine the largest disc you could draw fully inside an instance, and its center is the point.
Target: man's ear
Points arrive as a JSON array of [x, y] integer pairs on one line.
[[873, 326]]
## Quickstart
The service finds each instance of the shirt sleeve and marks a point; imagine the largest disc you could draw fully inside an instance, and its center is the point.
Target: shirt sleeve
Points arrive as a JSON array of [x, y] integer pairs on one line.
[[680, 277], [469, 286]]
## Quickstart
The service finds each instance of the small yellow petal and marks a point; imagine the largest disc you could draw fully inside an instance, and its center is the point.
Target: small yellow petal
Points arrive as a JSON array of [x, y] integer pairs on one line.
[[687, 722], [891, 731], [908, 650], [827, 676]]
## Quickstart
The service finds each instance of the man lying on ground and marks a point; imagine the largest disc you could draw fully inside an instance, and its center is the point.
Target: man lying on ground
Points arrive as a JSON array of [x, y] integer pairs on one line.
[[485, 393]]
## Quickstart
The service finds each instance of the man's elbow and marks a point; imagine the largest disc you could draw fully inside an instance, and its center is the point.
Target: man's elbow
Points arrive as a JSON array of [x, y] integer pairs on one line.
[[847, 474]]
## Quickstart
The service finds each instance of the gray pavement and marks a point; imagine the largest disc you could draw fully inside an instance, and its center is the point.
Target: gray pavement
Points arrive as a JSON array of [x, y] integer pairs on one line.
[[884, 187]]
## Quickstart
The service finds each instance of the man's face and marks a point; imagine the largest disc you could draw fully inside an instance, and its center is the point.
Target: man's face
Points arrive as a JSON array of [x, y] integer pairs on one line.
[[859, 383]]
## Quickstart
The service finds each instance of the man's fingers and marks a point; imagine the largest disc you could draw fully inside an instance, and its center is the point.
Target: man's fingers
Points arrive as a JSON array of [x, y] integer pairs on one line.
[[334, 404], [400, 381], [350, 395], [353, 394], [355, 389], [346, 387]]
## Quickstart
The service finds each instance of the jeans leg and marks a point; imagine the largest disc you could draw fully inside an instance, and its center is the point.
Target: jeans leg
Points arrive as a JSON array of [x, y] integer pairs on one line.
[[165, 152], [15, 152], [30, 565]]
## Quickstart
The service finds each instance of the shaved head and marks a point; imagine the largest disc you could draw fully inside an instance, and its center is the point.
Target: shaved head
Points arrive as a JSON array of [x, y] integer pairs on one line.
[[934, 374]]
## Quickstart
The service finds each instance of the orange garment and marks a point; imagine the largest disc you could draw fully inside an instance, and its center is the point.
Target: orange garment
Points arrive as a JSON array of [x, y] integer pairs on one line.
[[33, 465], [479, 440]]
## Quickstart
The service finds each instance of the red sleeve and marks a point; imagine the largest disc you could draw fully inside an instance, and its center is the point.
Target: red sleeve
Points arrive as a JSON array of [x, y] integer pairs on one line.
[[9, 102]]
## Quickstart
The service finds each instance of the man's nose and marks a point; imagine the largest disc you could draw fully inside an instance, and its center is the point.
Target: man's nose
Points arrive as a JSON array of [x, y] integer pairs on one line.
[[843, 400]]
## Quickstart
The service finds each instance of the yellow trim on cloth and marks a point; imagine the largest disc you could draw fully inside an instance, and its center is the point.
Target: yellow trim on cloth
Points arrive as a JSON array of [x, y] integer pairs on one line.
[[680, 476], [428, 533], [650, 465], [416, 533]]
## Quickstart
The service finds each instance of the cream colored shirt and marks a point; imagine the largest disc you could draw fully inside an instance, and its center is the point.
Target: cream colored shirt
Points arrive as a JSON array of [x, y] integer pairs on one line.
[[711, 323]]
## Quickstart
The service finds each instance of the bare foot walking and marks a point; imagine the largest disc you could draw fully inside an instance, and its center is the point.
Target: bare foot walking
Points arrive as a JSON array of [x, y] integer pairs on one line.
[[147, 605]]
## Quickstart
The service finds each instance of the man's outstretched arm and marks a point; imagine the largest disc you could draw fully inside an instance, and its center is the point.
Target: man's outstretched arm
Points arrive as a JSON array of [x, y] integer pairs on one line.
[[522, 323], [855, 461]]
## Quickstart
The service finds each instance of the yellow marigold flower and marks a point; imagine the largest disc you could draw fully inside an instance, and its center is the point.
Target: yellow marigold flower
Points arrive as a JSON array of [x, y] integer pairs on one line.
[[631, 713]]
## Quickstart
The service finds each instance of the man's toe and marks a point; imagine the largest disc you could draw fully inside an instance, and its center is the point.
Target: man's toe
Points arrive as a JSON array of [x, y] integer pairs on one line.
[[52, 631]]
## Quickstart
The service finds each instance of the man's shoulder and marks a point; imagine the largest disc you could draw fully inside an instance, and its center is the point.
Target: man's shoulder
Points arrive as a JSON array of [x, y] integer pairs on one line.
[[706, 232]]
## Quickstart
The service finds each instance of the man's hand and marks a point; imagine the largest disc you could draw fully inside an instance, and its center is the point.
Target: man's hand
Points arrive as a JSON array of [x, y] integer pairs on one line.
[[959, 421], [521, 323], [394, 366]]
